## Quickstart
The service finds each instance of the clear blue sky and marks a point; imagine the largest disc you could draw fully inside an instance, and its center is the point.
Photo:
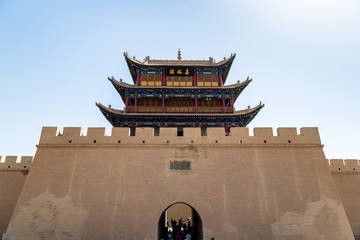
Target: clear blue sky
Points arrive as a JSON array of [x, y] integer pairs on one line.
[[303, 56]]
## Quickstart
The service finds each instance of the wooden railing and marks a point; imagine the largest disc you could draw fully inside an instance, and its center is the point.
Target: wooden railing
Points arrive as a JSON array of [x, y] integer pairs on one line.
[[182, 109], [178, 109], [217, 109]]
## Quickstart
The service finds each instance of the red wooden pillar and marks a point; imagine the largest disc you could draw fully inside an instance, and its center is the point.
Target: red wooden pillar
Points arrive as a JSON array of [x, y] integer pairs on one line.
[[232, 104], [126, 104], [220, 80], [135, 107], [163, 104], [196, 105], [138, 79], [223, 104], [195, 80], [163, 79]]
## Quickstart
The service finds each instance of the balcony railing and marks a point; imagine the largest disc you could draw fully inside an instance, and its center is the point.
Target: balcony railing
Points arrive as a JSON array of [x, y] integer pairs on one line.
[[178, 109], [182, 109]]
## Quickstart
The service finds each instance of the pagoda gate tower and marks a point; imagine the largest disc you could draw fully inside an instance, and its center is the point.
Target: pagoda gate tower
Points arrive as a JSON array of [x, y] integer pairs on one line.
[[179, 93], [179, 164]]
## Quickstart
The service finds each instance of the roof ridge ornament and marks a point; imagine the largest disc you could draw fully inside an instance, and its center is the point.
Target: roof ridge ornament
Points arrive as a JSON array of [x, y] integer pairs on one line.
[[179, 55]]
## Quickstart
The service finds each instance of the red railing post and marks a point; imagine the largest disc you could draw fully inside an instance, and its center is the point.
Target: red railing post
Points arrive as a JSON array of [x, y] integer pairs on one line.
[[138, 79], [196, 104], [163, 104], [223, 104], [220, 80], [163, 80], [126, 104]]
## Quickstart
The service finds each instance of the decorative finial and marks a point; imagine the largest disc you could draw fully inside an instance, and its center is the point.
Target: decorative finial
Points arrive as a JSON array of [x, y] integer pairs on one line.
[[179, 55]]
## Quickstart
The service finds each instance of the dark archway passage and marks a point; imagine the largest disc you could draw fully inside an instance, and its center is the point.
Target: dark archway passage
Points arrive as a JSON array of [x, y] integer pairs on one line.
[[178, 211]]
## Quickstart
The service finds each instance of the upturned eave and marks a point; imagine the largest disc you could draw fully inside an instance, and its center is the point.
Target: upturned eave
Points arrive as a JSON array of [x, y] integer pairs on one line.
[[133, 63]]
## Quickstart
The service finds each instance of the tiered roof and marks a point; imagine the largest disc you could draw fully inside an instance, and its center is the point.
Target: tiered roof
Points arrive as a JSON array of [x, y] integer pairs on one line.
[[225, 64], [233, 89], [184, 117], [237, 118]]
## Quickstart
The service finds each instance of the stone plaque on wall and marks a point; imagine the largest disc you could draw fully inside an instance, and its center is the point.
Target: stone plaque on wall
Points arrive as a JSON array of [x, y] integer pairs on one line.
[[180, 166]]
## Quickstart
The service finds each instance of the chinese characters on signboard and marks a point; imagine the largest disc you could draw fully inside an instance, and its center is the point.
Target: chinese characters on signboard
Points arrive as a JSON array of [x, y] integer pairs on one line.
[[176, 71]]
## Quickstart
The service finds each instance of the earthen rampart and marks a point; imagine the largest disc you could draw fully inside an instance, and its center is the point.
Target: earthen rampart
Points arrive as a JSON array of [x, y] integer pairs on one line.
[[343, 166], [100, 187], [346, 174], [15, 162], [144, 136], [13, 172]]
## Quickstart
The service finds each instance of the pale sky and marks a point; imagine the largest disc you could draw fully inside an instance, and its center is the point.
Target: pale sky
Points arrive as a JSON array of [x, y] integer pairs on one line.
[[303, 56]]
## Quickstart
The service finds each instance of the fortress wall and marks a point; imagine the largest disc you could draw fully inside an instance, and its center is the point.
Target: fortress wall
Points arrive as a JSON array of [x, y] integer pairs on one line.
[[346, 174], [116, 187], [12, 178]]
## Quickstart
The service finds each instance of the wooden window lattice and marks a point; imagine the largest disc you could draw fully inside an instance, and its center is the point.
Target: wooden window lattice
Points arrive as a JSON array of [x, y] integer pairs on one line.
[[207, 80], [179, 81], [150, 79]]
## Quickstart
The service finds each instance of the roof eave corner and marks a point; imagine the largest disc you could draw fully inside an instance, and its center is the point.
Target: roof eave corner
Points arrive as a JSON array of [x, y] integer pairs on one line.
[[227, 69], [129, 62]]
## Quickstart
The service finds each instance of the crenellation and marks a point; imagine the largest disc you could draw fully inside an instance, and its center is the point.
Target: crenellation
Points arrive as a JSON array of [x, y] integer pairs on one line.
[[263, 132], [287, 132], [351, 163], [96, 132], [168, 132], [48, 133], [309, 131], [169, 135], [241, 132], [73, 131], [120, 132], [144, 132], [16, 163], [192, 132], [344, 166]]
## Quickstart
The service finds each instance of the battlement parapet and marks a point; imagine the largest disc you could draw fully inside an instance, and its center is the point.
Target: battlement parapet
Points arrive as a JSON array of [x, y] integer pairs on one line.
[[191, 136], [344, 166], [15, 163]]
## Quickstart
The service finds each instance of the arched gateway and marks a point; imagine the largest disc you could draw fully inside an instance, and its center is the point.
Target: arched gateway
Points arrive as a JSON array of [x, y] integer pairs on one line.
[[175, 212]]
